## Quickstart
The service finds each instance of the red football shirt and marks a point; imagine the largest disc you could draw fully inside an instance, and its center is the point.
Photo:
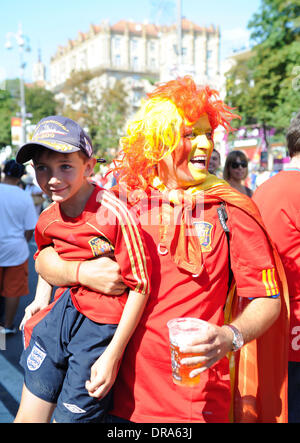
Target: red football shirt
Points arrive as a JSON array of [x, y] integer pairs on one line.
[[105, 226], [144, 391], [278, 201]]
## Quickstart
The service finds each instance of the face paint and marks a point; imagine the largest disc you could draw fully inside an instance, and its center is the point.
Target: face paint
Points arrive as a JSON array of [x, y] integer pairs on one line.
[[187, 165]]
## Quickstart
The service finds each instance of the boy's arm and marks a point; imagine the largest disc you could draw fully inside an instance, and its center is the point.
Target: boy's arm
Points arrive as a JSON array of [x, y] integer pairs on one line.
[[100, 274], [104, 370], [42, 299]]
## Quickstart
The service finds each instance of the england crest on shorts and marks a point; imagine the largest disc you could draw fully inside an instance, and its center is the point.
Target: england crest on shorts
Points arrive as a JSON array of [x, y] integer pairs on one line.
[[35, 358]]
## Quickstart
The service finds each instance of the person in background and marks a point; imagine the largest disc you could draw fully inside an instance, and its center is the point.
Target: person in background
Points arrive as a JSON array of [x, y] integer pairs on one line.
[[17, 222], [236, 170], [214, 162], [278, 200], [35, 191]]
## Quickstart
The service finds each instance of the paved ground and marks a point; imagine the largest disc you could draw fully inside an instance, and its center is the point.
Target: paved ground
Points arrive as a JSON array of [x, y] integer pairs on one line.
[[11, 374]]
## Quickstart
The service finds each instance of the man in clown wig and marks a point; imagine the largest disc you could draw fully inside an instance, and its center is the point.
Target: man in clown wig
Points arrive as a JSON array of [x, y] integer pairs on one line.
[[212, 260]]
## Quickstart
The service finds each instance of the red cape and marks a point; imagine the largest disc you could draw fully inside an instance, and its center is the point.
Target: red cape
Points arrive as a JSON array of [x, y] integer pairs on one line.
[[259, 370]]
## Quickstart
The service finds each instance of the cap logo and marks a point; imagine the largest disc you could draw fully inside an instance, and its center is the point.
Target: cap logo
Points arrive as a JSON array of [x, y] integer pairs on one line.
[[88, 147], [59, 146], [48, 129]]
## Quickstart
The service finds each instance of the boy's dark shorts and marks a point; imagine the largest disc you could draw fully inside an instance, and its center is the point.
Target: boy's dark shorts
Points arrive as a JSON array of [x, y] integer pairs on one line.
[[63, 346]]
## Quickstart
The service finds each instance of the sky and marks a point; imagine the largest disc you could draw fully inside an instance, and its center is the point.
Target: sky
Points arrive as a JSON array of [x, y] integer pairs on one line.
[[47, 25]]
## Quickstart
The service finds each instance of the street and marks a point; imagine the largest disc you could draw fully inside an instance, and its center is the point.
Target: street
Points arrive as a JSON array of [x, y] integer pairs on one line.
[[11, 373]]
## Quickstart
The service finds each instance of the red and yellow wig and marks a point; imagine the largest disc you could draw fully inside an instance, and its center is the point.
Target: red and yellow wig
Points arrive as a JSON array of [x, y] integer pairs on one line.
[[155, 130]]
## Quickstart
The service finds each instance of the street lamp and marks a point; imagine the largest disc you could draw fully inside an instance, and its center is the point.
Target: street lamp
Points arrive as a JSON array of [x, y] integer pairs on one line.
[[23, 44]]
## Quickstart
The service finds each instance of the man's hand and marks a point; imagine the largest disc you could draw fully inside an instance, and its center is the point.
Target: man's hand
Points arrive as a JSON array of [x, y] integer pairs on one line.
[[102, 275], [213, 347]]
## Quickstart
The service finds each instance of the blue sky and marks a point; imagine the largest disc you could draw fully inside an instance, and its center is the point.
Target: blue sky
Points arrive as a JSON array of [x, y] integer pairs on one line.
[[50, 24]]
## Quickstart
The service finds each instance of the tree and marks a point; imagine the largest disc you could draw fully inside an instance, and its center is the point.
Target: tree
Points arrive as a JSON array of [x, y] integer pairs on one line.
[[271, 90], [111, 120], [239, 85], [8, 108], [39, 102], [101, 110]]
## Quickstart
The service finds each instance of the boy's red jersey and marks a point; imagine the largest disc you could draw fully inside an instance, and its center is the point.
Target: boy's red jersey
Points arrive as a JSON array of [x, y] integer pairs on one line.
[[105, 227]]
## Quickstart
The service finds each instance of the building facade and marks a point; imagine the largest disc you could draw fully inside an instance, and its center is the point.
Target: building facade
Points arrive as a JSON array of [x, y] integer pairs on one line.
[[139, 54]]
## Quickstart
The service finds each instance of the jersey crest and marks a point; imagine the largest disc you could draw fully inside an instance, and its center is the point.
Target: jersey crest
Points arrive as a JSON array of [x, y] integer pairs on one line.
[[204, 231], [100, 246]]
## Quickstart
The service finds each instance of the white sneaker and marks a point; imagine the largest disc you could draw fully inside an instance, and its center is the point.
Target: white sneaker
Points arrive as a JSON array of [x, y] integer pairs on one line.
[[8, 331]]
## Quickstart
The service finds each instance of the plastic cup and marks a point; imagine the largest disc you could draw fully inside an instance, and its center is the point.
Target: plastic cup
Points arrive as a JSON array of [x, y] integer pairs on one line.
[[181, 332]]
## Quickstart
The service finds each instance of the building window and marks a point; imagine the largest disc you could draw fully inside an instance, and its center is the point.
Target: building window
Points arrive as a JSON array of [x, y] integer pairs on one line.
[[152, 63], [117, 60], [135, 63], [134, 44], [151, 45], [117, 42]]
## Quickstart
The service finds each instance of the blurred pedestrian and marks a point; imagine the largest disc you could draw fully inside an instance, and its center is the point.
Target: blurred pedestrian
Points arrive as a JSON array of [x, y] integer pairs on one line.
[[214, 162], [278, 199], [236, 171], [17, 222], [263, 175], [35, 191]]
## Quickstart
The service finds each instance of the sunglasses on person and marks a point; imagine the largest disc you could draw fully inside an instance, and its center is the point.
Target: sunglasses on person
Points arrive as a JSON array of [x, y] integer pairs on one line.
[[235, 165]]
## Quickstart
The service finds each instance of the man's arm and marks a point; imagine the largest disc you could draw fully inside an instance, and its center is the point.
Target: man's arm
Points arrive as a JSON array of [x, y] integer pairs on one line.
[[101, 274], [256, 319]]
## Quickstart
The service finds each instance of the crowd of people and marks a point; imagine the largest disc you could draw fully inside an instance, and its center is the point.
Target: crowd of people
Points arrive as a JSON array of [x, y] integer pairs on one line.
[[173, 237]]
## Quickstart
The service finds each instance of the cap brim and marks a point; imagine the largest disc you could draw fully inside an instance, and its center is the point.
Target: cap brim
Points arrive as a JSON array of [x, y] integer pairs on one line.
[[27, 151]]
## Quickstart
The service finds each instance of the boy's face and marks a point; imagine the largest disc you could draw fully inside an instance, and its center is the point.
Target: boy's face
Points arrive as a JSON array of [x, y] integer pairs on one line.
[[62, 176], [188, 163]]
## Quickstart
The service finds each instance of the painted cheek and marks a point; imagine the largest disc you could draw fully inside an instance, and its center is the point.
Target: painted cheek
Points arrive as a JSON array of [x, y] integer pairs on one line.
[[181, 155]]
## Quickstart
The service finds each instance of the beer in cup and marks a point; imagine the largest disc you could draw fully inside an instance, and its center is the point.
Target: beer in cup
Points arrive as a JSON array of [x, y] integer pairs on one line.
[[181, 332]]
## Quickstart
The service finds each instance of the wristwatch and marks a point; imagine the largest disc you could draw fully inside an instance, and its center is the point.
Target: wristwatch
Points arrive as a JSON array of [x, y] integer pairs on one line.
[[238, 340]]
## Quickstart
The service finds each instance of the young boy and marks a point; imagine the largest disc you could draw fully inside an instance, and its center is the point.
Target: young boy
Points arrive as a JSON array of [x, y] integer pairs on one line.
[[81, 335]]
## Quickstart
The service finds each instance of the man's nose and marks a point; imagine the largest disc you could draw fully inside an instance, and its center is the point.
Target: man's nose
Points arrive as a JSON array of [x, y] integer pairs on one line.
[[201, 141]]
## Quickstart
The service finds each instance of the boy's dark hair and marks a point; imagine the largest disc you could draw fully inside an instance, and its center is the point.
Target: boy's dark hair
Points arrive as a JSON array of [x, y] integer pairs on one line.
[[13, 169], [293, 136], [42, 149]]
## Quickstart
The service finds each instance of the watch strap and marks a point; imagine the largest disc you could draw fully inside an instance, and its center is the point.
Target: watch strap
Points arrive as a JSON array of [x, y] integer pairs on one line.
[[238, 340]]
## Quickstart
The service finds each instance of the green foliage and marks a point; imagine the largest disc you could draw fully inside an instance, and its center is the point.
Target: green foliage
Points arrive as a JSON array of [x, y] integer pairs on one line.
[[8, 108], [266, 87], [111, 120], [103, 111], [39, 102]]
